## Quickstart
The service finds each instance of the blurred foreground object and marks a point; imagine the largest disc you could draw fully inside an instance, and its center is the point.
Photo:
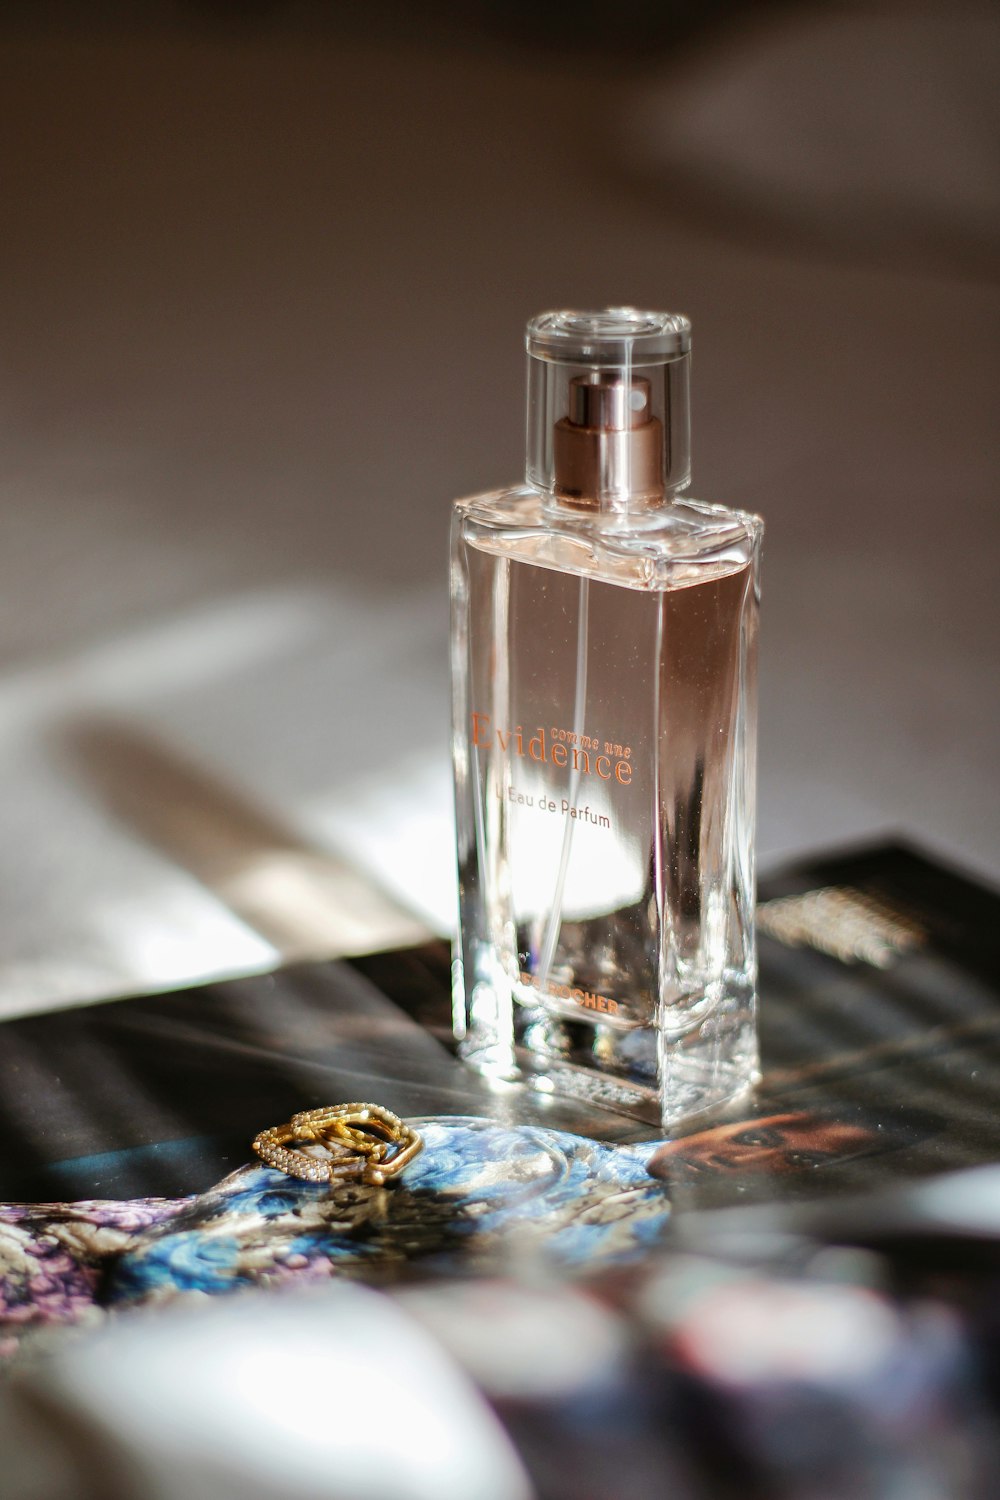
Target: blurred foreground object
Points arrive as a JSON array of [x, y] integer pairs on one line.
[[700, 1379], [338, 1397], [792, 1373]]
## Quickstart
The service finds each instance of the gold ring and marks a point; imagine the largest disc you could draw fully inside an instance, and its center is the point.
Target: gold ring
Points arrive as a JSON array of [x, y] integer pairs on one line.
[[363, 1143]]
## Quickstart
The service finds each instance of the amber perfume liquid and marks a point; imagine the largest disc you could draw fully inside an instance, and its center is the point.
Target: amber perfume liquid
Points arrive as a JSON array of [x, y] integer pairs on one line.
[[604, 668]]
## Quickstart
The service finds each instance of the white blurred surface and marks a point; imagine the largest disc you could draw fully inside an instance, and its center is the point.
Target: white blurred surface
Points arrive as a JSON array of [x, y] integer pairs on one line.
[[326, 1396], [261, 310]]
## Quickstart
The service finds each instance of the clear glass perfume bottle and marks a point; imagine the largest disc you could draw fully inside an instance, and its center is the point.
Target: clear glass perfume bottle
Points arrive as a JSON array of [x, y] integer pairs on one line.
[[604, 670]]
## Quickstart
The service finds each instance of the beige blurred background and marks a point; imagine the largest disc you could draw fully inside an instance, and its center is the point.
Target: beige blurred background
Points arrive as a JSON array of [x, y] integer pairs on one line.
[[263, 276]]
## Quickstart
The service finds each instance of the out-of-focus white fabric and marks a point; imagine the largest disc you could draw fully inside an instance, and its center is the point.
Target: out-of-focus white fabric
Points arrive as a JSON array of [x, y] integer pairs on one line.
[[329, 1396]]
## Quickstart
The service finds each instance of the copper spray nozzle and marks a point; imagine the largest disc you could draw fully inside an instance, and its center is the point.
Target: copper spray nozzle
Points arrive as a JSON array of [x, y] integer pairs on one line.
[[608, 451]]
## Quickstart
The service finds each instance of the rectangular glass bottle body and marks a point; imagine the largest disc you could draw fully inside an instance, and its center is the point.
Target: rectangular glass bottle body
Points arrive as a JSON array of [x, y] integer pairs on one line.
[[604, 682]]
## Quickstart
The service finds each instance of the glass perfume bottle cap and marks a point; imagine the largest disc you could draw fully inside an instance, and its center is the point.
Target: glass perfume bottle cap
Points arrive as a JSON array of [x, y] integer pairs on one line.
[[608, 424], [610, 336]]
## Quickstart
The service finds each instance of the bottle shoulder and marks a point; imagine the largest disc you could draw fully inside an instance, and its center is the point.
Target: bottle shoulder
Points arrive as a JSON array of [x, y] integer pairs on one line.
[[678, 543]]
